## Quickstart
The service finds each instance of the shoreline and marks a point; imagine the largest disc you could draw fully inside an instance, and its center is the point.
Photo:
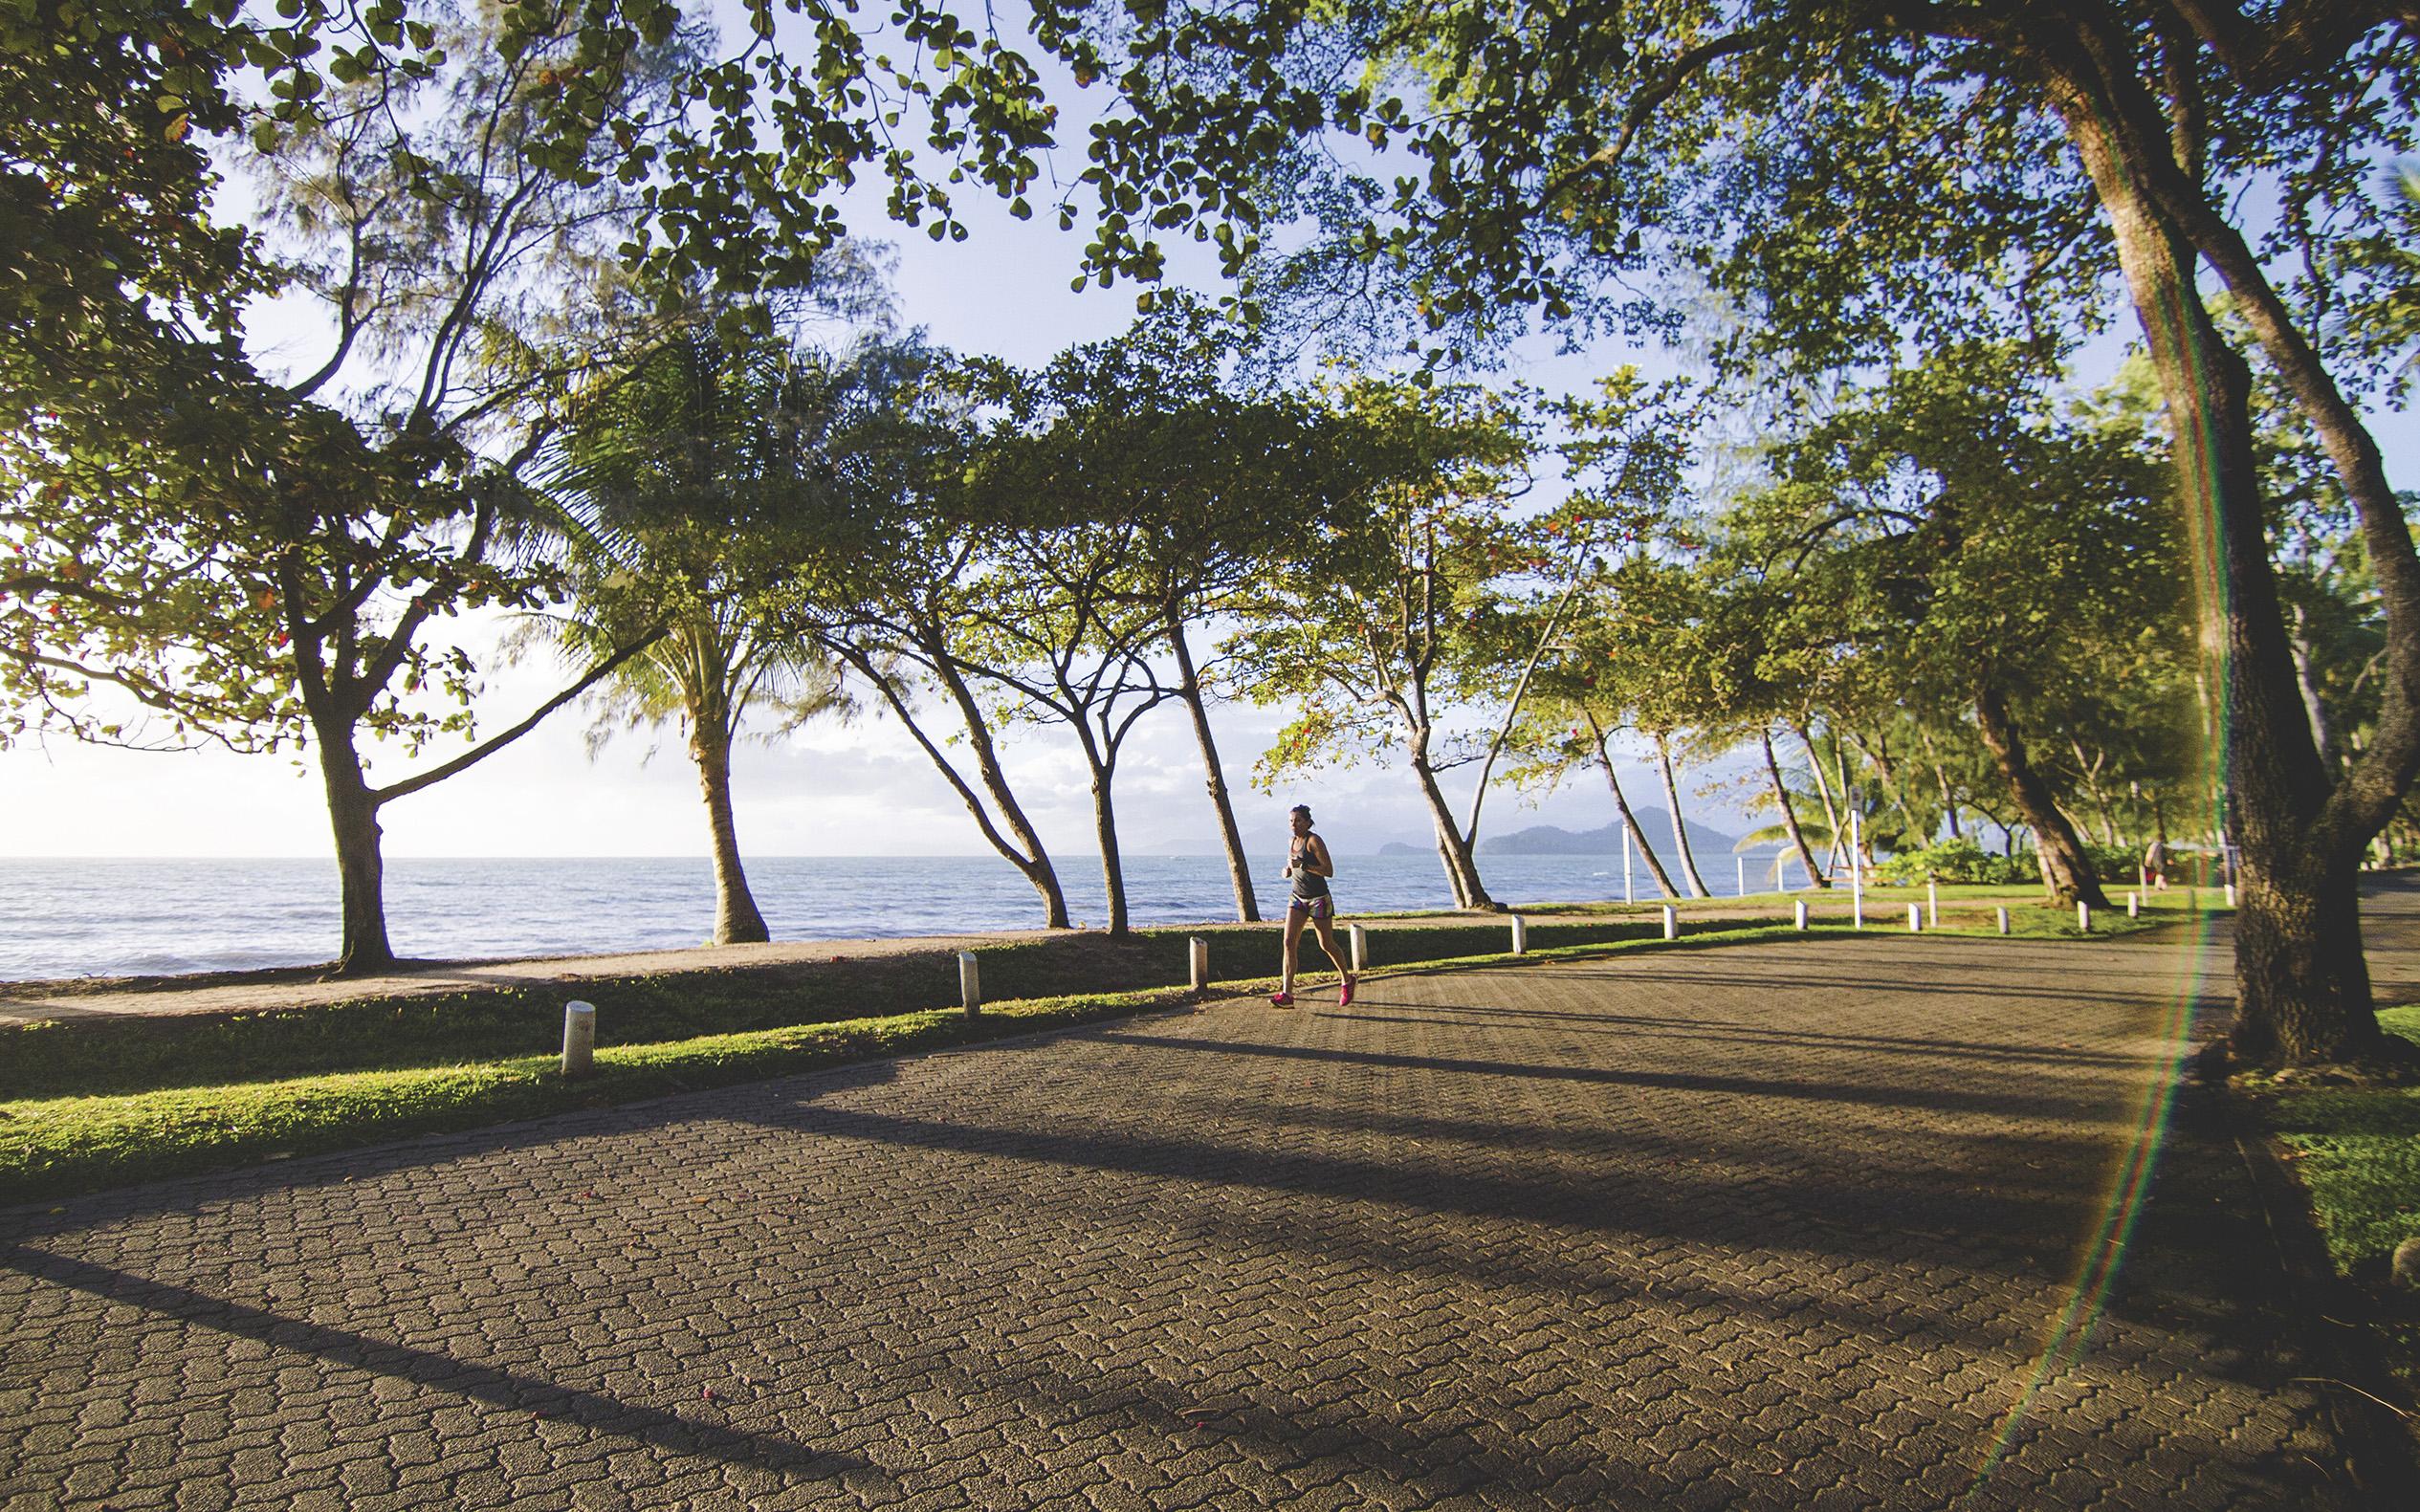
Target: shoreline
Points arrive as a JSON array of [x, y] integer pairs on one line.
[[278, 987]]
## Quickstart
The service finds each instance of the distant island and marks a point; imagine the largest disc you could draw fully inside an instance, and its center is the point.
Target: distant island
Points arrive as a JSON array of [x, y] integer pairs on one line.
[[1655, 825], [1550, 840]]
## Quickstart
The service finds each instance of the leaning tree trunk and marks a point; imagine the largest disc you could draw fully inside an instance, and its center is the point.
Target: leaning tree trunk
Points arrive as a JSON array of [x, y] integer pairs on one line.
[[1032, 862], [361, 867], [1680, 826], [1112, 864], [2302, 986], [2067, 869], [1453, 847], [1247, 907], [1789, 814], [737, 920], [1823, 790], [1622, 807]]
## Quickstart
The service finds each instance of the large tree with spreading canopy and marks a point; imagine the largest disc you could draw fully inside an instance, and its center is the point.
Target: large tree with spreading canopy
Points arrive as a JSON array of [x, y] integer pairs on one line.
[[1855, 174]]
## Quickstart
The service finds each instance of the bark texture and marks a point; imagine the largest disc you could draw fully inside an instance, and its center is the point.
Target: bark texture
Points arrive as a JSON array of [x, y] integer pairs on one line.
[[736, 919], [1247, 907], [2067, 869], [359, 864], [1790, 812], [2303, 991], [1680, 825]]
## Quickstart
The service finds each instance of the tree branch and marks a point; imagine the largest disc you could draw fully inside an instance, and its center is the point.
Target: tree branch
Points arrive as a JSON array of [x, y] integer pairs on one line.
[[489, 747]]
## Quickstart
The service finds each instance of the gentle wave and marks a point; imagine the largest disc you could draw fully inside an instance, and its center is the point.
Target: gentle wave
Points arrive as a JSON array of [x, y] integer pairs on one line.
[[126, 918]]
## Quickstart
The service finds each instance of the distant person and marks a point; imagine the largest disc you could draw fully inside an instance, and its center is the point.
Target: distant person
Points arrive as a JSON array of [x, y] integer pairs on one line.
[[1308, 864], [2155, 865]]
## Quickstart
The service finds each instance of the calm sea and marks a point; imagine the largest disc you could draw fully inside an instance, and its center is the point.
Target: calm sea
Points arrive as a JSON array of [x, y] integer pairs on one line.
[[123, 918]]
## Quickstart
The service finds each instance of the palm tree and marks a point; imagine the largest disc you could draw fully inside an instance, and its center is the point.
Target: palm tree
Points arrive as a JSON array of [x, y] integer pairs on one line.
[[686, 490], [712, 669]]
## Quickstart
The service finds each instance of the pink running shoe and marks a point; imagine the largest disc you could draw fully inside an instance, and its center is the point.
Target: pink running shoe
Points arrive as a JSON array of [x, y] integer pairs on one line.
[[1280, 999], [1344, 997]]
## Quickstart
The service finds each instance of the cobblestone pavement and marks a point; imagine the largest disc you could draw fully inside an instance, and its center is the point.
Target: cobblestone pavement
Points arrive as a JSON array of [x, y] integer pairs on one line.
[[1804, 1225]]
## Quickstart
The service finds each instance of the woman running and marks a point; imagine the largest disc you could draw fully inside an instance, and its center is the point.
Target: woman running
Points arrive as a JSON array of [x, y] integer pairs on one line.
[[1310, 867]]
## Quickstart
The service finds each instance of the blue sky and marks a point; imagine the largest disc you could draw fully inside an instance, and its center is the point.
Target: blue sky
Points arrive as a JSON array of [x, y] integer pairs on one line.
[[829, 789]]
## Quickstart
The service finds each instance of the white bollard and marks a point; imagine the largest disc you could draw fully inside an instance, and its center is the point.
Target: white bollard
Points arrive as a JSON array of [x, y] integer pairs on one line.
[[1201, 954], [1915, 919], [970, 984], [579, 1039], [1671, 923], [2230, 894], [2134, 905], [1359, 939], [2083, 916], [1627, 896], [1520, 935], [1801, 909], [1856, 871], [1741, 863], [1932, 904], [2003, 916]]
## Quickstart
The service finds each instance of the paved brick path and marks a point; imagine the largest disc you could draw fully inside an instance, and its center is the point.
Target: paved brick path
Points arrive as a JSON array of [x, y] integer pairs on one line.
[[1692, 1230]]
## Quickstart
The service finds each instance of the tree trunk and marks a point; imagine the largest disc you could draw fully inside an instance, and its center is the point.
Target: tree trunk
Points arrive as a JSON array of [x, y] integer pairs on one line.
[[361, 867], [737, 920], [1622, 807], [1453, 847], [1823, 791], [2303, 989], [2066, 870], [2089, 771], [1789, 814], [1032, 862], [1247, 907], [1680, 826], [1112, 865], [1941, 780], [2323, 734]]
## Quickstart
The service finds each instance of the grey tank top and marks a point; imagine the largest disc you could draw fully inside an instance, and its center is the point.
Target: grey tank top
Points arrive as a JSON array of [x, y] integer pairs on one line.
[[1307, 884]]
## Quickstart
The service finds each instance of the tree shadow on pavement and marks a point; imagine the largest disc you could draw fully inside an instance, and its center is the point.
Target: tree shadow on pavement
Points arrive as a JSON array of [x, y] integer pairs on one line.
[[496, 1387]]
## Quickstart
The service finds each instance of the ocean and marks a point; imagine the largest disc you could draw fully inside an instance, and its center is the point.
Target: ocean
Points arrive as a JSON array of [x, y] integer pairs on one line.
[[118, 917]]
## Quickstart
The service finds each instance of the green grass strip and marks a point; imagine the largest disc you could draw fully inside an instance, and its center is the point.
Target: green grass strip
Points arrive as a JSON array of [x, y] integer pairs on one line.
[[2359, 1156], [62, 1146]]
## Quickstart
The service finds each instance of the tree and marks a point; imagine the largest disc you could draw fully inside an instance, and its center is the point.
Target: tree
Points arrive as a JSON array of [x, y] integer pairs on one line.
[[898, 608], [1203, 484], [1854, 173], [689, 489], [1390, 625], [1978, 554], [1582, 680], [277, 561]]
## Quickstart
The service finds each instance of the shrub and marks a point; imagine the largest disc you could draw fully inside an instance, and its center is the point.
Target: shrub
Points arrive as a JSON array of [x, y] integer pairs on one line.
[[1957, 860]]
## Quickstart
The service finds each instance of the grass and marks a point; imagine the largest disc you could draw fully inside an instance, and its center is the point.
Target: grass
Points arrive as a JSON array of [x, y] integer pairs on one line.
[[96, 1104], [2357, 1150], [60, 1145]]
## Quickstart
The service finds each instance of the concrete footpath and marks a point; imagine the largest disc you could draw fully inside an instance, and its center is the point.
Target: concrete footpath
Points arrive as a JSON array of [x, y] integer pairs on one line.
[[1801, 1225]]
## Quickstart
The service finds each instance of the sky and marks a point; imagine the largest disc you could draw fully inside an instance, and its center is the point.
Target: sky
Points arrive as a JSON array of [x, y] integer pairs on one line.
[[856, 788], [847, 789]]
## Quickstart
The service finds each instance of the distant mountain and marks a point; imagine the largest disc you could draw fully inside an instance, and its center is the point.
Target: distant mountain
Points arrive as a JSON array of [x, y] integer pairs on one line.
[[1655, 826], [1396, 848]]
